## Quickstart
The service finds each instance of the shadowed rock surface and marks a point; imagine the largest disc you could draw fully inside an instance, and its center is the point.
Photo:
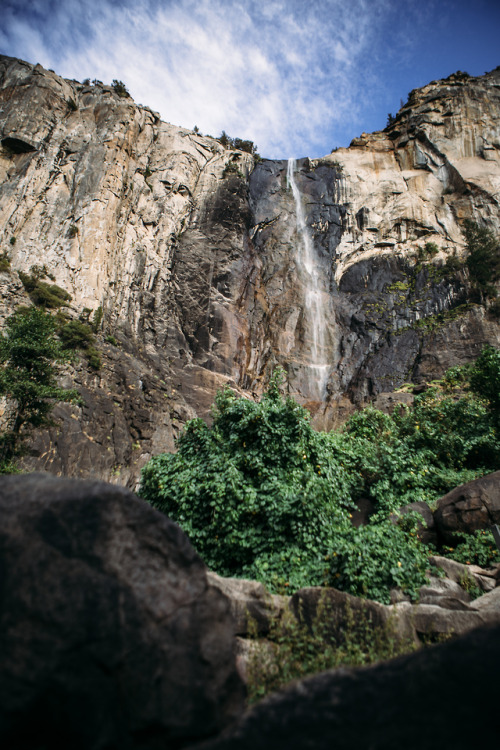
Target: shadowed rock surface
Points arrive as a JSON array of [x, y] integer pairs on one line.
[[469, 507], [440, 698], [110, 636]]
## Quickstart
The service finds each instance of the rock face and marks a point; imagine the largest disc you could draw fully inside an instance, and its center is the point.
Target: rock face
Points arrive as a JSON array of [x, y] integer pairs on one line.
[[410, 702], [109, 633], [212, 269], [468, 508]]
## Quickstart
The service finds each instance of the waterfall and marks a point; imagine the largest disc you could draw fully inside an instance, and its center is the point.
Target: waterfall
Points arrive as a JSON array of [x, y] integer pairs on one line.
[[314, 314]]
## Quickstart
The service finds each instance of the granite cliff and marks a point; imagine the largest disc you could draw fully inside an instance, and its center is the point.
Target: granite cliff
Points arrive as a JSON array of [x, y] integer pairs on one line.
[[211, 267]]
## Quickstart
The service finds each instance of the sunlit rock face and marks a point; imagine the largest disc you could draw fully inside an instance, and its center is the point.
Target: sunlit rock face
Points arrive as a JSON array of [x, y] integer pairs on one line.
[[212, 269]]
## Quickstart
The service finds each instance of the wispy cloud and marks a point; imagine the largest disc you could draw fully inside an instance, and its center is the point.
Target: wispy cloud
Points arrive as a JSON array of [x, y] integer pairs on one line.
[[279, 72]]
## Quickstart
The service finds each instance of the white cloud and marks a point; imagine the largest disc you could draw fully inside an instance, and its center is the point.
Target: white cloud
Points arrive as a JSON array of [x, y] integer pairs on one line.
[[275, 71]]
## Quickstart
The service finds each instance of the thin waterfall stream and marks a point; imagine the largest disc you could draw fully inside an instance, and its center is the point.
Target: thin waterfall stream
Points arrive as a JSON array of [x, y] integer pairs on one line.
[[314, 313]]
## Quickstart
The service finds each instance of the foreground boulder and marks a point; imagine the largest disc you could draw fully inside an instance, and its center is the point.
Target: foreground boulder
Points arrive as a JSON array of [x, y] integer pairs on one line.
[[439, 698], [468, 508], [110, 635]]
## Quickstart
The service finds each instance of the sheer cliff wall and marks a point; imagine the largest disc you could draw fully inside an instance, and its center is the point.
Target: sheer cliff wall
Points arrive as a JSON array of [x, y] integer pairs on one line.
[[193, 252]]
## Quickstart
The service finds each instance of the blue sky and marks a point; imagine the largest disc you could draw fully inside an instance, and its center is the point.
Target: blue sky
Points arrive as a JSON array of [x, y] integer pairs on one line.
[[298, 77]]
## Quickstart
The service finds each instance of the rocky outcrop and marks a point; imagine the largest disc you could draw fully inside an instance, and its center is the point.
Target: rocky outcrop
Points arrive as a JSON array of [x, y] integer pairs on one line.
[[435, 698], [211, 269], [468, 508], [110, 635], [252, 606]]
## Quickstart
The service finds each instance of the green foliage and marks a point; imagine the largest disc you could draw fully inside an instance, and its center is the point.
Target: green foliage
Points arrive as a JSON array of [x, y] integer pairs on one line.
[[485, 379], [94, 357], [97, 319], [119, 88], [429, 250], [4, 262], [453, 264], [421, 453], [262, 495], [483, 257], [12, 241], [72, 105], [72, 231], [75, 334], [237, 143], [477, 549], [231, 168], [257, 483], [373, 559], [293, 650], [29, 354], [43, 294]]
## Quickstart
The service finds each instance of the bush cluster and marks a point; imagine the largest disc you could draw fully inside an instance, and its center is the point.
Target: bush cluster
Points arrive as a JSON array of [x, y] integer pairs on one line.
[[483, 258], [4, 262], [237, 143], [262, 495], [41, 293], [30, 352]]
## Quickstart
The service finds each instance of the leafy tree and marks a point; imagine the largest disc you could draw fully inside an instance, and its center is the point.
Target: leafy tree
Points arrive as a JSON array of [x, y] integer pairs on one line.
[[485, 379], [255, 483], [483, 258], [262, 495], [119, 88], [29, 354]]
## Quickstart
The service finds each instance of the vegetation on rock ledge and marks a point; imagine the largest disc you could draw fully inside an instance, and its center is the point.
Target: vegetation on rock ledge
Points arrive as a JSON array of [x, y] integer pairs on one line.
[[29, 356], [262, 495]]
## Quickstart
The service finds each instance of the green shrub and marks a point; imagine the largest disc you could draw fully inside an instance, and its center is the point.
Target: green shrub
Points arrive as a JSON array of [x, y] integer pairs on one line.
[[120, 88], [4, 262], [97, 319], [49, 295], [483, 256], [428, 251], [262, 495], [231, 168], [76, 335], [93, 357], [29, 356], [237, 143], [373, 559], [478, 548], [255, 483], [41, 293], [485, 379]]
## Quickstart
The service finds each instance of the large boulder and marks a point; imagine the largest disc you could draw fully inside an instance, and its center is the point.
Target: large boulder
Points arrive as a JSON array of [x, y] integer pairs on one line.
[[468, 508], [439, 698], [252, 606], [339, 614], [110, 635], [485, 579]]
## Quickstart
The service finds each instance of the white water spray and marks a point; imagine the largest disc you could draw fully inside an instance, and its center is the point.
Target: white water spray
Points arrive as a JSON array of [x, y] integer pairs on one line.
[[313, 301]]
